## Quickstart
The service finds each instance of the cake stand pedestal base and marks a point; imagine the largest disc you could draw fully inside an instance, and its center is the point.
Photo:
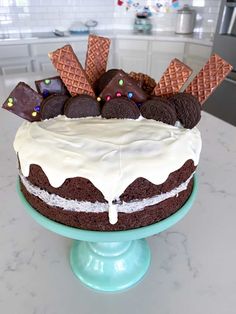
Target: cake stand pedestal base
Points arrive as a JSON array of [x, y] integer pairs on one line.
[[110, 261], [110, 266]]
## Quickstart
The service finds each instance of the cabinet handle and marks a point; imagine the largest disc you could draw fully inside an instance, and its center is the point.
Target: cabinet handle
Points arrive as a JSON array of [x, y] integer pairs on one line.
[[230, 80]]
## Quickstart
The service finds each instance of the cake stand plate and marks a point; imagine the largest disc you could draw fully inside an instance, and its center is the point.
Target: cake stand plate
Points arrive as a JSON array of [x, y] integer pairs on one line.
[[110, 261]]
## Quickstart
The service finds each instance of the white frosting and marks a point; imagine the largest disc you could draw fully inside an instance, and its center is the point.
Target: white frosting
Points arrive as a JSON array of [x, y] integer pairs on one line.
[[97, 207], [111, 153]]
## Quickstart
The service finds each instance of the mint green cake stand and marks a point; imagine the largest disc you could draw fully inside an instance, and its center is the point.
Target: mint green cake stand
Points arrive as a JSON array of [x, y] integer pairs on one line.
[[110, 261]]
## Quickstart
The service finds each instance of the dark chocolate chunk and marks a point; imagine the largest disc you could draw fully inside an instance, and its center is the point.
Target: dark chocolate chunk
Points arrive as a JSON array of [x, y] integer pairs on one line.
[[82, 106], [104, 79], [159, 109], [123, 85], [53, 106], [24, 102], [120, 108], [188, 109], [50, 86]]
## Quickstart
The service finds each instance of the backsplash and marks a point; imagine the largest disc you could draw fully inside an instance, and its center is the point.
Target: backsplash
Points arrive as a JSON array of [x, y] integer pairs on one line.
[[46, 15]]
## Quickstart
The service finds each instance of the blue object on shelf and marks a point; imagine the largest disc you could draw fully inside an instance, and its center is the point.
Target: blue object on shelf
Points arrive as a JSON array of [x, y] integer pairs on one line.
[[110, 261]]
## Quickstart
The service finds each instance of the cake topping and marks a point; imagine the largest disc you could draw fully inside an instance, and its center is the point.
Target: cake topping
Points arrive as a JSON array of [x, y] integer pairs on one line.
[[120, 108], [209, 77], [160, 110], [71, 71], [104, 79], [82, 106], [129, 85], [53, 106], [24, 102], [50, 86], [97, 57], [144, 81], [188, 109], [173, 79]]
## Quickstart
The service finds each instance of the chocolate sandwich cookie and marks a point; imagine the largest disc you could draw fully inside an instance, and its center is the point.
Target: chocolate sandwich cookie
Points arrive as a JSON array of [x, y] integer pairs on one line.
[[188, 109], [82, 106], [24, 102], [120, 108], [159, 109], [50, 86], [53, 106]]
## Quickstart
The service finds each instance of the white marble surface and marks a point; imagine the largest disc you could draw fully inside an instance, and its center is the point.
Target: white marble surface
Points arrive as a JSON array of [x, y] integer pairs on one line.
[[195, 38], [193, 263]]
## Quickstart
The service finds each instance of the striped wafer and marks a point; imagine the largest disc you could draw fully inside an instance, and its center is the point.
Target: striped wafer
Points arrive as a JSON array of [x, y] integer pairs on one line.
[[209, 77], [71, 71], [173, 78], [97, 57]]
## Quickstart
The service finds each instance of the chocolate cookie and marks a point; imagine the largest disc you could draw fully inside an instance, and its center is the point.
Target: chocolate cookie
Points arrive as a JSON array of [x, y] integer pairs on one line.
[[188, 109], [53, 106], [82, 106], [159, 109], [104, 80], [120, 108]]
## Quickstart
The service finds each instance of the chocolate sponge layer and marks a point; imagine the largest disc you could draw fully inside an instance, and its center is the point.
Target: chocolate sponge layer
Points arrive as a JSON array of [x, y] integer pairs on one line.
[[100, 222], [82, 189]]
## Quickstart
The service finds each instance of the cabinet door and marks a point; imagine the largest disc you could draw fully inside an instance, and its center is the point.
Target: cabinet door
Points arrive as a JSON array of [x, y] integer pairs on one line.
[[161, 55], [131, 55], [15, 67]]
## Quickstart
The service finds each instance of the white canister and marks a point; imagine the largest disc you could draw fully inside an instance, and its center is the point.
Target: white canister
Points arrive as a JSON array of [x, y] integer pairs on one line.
[[185, 20]]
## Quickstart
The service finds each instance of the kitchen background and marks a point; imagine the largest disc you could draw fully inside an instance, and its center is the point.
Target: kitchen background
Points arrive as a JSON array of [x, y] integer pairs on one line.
[[44, 15]]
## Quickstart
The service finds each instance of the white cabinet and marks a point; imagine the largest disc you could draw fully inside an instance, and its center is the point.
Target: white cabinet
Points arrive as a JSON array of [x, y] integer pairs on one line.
[[161, 54], [14, 59], [131, 55]]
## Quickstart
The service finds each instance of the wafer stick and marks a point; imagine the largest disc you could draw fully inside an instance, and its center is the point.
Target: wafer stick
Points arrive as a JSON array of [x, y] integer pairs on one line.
[[97, 57], [173, 78], [71, 71], [209, 78]]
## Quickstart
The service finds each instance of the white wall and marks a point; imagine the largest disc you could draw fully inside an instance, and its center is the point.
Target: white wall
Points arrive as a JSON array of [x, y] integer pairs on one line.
[[46, 15]]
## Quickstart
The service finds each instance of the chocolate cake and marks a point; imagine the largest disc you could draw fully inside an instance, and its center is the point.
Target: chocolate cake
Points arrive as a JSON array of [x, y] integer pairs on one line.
[[115, 154]]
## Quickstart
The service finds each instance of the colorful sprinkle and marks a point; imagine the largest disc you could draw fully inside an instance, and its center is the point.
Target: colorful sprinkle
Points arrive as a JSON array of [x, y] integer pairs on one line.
[[121, 82], [10, 99], [45, 93], [37, 108], [47, 81], [99, 99], [118, 94], [130, 94], [34, 113], [9, 104], [108, 97]]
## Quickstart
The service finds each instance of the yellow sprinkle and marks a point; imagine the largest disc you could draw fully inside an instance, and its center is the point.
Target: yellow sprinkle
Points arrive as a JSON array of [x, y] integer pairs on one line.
[[34, 114], [10, 104], [99, 99], [10, 99]]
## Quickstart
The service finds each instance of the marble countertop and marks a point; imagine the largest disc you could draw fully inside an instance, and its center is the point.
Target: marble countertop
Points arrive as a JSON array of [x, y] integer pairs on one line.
[[193, 263], [195, 38]]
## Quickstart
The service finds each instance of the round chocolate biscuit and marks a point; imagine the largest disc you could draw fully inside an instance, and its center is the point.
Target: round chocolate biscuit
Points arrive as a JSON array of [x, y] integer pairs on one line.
[[159, 109], [104, 79], [188, 109], [81, 106], [120, 108], [53, 106]]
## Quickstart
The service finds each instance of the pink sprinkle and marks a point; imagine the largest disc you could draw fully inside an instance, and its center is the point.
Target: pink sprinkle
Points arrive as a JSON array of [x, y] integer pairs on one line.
[[108, 98], [118, 94]]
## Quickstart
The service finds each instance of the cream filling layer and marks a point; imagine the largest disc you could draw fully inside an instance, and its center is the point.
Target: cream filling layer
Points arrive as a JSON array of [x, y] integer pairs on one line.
[[97, 207]]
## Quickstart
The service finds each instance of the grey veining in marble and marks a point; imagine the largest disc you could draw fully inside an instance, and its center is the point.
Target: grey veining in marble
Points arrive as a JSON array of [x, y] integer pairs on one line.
[[193, 263]]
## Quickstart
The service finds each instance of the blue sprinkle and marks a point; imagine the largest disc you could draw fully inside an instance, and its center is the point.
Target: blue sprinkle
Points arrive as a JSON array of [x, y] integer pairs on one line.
[[45, 93], [37, 108], [130, 94]]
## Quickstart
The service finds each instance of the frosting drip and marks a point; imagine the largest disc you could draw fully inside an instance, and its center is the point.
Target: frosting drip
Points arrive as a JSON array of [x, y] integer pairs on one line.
[[111, 153]]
